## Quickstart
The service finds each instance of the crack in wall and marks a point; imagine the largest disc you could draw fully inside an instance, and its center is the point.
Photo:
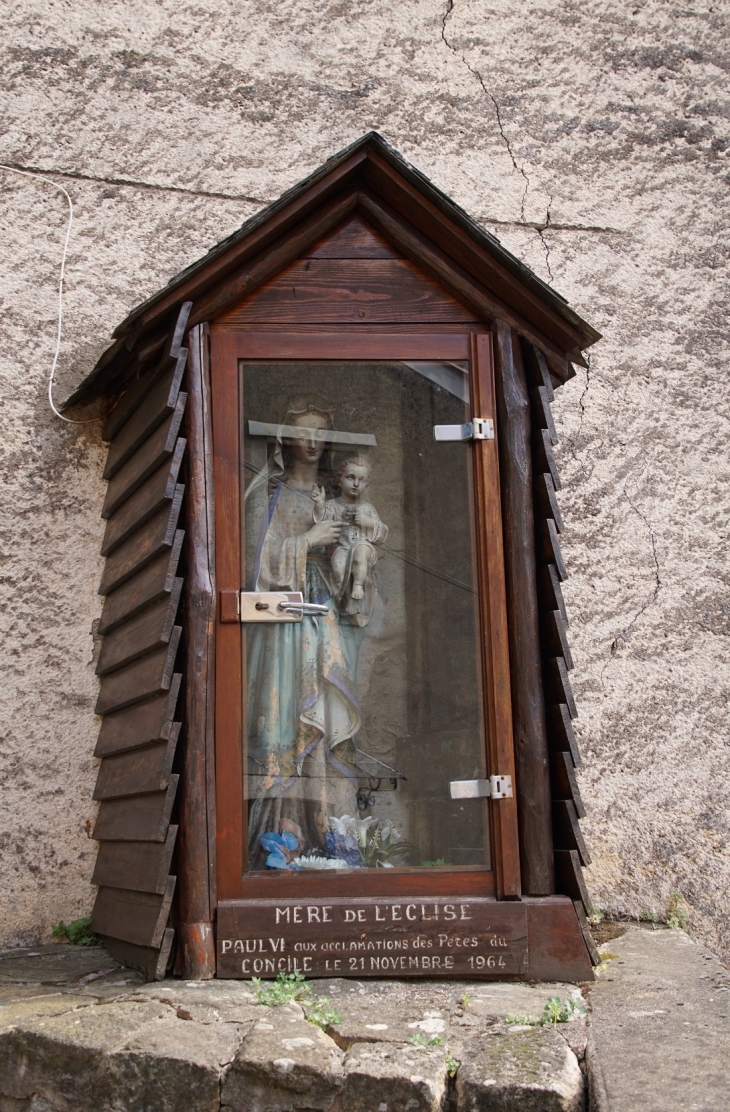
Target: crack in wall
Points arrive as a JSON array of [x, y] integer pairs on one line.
[[540, 226], [541, 234], [75, 175], [475, 73], [623, 636]]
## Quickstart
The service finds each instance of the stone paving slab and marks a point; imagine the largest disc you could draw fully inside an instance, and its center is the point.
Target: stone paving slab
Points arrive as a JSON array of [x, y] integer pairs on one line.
[[659, 1036], [78, 1033]]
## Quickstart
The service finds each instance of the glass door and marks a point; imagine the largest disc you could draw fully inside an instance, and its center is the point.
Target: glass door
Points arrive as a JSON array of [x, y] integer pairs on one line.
[[362, 641]]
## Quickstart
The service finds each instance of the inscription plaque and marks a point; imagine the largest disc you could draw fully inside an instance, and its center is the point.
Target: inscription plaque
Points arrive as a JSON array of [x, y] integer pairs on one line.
[[373, 937]]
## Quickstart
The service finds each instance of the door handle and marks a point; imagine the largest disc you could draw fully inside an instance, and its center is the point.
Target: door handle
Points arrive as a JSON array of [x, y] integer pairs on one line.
[[275, 606]]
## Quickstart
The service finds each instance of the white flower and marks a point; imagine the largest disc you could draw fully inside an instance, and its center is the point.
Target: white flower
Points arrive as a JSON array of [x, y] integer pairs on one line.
[[342, 825], [314, 862], [360, 827], [389, 834]]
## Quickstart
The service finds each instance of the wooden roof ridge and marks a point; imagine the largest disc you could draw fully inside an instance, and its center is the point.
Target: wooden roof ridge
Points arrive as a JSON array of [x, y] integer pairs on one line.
[[369, 168]]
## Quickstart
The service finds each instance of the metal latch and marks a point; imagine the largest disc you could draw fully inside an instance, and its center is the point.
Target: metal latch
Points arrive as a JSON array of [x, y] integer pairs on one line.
[[276, 606], [496, 787], [481, 428]]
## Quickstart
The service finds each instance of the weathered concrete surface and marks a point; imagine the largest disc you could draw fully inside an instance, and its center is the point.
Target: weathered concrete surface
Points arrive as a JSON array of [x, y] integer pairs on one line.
[[659, 1035], [79, 1034], [595, 140]]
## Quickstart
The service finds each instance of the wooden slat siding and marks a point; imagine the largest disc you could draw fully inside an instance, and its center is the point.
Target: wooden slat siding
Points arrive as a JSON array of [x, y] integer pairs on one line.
[[546, 503], [195, 909], [139, 680], [149, 585], [557, 684], [353, 239], [561, 737], [486, 305], [564, 782], [149, 456], [154, 538], [547, 547], [567, 833], [542, 415], [138, 917], [378, 290], [554, 637], [148, 500], [141, 634], [549, 591], [137, 866], [528, 708], [137, 380], [588, 938], [271, 261], [152, 963], [544, 456], [158, 406], [569, 879], [140, 724], [139, 818], [536, 368], [137, 392], [138, 772]]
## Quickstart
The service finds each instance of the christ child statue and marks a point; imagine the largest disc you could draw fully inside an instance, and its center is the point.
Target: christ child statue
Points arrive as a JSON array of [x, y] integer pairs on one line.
[[354, 556]]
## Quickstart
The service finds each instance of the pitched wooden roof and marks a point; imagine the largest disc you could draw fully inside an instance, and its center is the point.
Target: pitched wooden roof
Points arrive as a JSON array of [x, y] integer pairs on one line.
[[369, 176]]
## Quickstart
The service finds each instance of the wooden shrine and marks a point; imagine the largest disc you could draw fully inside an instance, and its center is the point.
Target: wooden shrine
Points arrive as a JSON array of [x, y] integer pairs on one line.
[[369, 284]]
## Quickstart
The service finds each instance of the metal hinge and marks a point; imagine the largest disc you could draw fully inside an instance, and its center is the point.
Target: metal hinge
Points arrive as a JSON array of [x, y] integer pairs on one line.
[[496, 787], [481, 428]]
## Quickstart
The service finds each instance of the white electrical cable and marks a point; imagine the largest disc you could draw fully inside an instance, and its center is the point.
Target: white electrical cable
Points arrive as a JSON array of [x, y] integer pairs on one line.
[[48, 181]]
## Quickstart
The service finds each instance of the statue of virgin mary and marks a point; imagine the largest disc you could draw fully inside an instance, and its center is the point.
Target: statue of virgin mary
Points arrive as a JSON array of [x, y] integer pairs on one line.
[[302, 708]]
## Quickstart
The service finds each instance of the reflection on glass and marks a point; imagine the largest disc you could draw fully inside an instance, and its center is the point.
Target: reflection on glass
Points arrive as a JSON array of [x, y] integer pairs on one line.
[[359, 717]]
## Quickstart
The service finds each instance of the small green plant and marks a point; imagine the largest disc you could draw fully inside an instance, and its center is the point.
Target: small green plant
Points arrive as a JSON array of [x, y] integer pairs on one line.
[[452, 1064], [321, 1012], [562, 1011], [596, 917], [291, 988], [465, 1000], [678, 913], [648, 917], [555, 1011], [287, 988], [433, 864], [78, 933], [419, 1039]]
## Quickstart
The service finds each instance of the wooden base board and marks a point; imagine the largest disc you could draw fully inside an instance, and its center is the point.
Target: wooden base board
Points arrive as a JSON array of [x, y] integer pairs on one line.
[[534, 939]]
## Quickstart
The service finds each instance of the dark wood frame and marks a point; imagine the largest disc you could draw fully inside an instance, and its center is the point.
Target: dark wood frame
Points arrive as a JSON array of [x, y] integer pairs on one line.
[[227, 348]]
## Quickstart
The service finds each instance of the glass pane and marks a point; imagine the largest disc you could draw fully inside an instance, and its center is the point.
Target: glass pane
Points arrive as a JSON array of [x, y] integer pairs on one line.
[[360, 716]]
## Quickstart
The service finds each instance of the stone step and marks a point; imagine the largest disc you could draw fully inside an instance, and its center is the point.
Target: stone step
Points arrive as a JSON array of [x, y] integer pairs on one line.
[[80, 1034]]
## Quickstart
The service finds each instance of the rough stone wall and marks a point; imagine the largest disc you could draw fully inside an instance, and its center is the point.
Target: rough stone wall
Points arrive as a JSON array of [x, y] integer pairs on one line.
[[593, 138]]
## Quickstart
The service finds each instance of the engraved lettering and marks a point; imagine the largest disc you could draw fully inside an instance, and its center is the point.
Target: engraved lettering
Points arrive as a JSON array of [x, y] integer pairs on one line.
[[463, 909], [297, 916], [226, 944], [396, 917], [326, 918], [349, 915], [312, 914], [283, 913], [379, 914], [449, 912], [411, 912]]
